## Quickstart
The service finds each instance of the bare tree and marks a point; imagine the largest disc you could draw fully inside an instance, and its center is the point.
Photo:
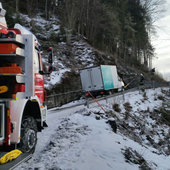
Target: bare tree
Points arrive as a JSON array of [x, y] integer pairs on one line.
[[46, 9], [69, 16], [154, 9]]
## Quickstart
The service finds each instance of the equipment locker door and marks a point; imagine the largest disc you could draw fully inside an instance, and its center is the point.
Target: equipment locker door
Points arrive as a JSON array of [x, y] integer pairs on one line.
[[39, 80]]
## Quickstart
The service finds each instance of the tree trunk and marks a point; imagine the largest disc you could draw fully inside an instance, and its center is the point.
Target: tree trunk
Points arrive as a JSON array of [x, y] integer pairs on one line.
[[46, 9], [17, 6]]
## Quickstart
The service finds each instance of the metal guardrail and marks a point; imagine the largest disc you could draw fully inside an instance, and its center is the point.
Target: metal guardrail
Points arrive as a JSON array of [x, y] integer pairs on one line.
[[90, 102], [57, 100]]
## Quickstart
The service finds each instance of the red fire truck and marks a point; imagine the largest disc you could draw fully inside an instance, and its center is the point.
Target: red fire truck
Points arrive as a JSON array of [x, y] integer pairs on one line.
[[22, 108]]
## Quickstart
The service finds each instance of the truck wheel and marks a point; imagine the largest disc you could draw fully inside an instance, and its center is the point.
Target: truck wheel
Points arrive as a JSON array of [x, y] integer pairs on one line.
[[28, 134]]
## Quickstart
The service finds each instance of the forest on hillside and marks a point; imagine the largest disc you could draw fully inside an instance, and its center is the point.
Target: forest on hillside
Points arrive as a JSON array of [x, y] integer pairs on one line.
[[120, 27]]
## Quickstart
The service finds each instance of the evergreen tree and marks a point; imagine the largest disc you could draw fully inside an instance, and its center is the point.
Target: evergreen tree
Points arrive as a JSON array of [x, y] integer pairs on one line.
[[120, 27]]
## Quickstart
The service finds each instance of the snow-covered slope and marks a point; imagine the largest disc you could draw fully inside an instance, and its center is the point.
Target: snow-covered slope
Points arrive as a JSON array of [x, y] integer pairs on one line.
[[81, 138], [77, 55]]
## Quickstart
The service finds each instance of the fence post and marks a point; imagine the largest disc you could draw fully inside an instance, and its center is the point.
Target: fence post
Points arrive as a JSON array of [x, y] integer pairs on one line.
[[54, 101], [87, 103], [106, 99], [123, 93]]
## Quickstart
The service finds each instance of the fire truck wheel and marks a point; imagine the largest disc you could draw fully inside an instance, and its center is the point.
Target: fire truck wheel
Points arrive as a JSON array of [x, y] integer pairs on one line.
[[28, 134]]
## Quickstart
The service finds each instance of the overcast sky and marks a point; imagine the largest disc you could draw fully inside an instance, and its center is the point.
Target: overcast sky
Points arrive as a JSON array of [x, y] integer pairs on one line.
[[162, 43]]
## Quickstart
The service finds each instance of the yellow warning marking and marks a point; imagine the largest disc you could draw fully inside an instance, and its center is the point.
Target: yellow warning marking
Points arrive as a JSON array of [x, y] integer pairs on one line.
[[3, 89], [10, 156], [6, 74]]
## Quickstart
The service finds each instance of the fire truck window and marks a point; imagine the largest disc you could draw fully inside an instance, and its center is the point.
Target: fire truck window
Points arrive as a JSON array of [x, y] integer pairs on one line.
[[36, 63]]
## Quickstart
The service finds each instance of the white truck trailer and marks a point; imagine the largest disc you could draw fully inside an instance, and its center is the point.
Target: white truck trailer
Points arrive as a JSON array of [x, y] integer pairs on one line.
[[100, 79]]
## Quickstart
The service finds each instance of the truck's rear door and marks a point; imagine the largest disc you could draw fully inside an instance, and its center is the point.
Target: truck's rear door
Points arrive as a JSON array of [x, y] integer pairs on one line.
[[96, 77], [91, 79]]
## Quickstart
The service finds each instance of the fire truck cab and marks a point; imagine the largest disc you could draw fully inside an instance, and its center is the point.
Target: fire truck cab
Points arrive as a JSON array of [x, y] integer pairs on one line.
[[22, 108]]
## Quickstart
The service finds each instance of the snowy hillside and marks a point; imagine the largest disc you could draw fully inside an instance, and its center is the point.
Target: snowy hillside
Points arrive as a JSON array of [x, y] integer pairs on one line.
[[78, 55], [81, 138]]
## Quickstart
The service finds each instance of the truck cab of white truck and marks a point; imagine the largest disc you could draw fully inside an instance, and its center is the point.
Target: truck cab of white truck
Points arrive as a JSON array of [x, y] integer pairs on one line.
[[22, 102]]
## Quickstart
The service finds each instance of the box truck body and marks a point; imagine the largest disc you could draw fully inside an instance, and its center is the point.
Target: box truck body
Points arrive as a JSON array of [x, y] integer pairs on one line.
[[99, 78]]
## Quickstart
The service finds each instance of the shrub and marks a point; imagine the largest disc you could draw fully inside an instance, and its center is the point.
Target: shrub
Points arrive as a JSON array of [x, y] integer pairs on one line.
[[126, 115], [145, 96], [160, 97], [128, 107], [165, 115], [116, 107]]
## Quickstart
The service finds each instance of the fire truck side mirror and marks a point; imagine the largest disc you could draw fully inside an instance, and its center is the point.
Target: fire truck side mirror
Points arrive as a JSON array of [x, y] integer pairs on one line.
[[41, 72], [50, 62]]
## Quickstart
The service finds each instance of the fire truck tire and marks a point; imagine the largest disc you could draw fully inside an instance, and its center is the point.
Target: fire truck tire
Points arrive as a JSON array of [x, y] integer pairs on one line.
[[28, 134]]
